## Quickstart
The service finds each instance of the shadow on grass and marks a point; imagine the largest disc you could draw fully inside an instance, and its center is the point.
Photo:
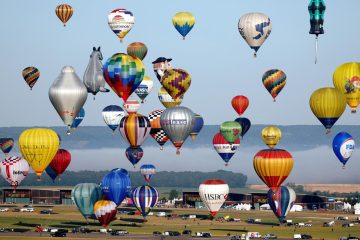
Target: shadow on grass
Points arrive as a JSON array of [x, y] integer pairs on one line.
[[133, 220], [23, 224], [80, 223], [229, 230], [126, 225]]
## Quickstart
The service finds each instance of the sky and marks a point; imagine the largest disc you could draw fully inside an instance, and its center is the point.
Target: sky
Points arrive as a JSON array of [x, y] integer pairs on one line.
[[219, 61]]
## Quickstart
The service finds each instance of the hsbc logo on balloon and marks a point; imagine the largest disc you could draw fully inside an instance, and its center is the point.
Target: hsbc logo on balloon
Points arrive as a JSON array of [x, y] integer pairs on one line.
[[213, 196], [20, 173]]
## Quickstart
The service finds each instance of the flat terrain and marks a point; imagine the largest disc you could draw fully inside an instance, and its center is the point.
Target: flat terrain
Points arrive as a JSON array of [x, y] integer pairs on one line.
[[340, 188]]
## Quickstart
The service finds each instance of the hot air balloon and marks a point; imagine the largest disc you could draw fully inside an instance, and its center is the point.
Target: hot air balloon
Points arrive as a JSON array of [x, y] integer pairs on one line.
[[231, 131], [240, 103], [273, 166], [167, 100], [6, 144], [134, 128], [124, 171], [134, 155], [199, 123], [245, 125], [255, 28], [61, 161], [274, 81], [131, 106], [343, 146], [147, 170], [78, 119], [271, 136], [64, 13], [346, 79], [14, 169], [156, 131], [51, 173], [176, 82], [160, 65], [145, 198], [223, 148], [144, 88], [85, 195], [120, 22], [183, 22], [137, 49], [317, 11], [112, 115], [105, 211], [116, 185], [327, 104], [281, 201], [31, 75], [38, 146], [213, 194], [124, 74], [68, 94], [177, 123]]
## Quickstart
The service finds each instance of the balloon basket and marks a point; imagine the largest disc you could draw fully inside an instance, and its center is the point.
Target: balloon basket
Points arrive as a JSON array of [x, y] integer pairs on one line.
[[183, 38], [177, 152], [274, 100], [343, 167], [353, 111], [38, 179], [255, 55], [161, 148], [68, 132], [328, 131]]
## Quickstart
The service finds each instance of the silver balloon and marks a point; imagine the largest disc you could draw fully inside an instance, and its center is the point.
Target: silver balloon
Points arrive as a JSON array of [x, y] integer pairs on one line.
[[68, 94], [177, 123]]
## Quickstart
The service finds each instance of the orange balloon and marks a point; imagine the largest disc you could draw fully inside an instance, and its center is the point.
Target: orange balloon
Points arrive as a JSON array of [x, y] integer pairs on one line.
[[240, 104], [273, 166]]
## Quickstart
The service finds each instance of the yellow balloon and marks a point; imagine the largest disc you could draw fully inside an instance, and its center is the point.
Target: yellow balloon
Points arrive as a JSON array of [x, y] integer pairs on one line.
[[167, 100], [327, 104], [183, 22], [39, 146], [346, 79], [271, 136]]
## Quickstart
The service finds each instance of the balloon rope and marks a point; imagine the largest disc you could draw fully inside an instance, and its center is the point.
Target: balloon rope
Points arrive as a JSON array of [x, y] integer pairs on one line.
[[316, 48]]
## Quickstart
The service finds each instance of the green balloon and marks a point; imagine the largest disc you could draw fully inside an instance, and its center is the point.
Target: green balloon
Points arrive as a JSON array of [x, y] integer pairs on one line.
[[231, 131], [85, 195]]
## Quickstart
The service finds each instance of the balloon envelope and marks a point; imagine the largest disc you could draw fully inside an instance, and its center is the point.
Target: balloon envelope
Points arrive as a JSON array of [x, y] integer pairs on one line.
[[156, 131], [64, 12], [137, 49], [116, 185], [343, 146], [167, 100], [223, 148], [176, 82], [120, 22], [147, 170], [6, 144], [198, 125], [281, 201], [274, 81], [245, 125], [78, 119], [240, 103], [144, 88], [145, 198], [112, 115], [85, 195], [131, 106], [14, 170], [271, 136], [134, 128], [31, 75], [230, 130], [213, 194], [105, 211], [51, 173], [183, 22], [134, 155], [61, 161]]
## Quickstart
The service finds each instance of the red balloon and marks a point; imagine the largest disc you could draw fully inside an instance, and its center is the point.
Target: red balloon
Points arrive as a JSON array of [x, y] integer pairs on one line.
[[61, 161], [240, 103]]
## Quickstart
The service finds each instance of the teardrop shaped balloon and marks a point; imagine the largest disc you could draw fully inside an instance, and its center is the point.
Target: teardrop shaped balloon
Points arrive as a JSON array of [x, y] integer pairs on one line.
[[105, 211], [131, 106], [61, 161], [38, 146], [156, 131], [213, 194], [14, 170], [78, 119], [327, 104], [147, 170], [240, 103], [271, 136], [223, 148], [183, 22], [134, 128], [121, 22], [145, 198], [177, 123], [274, 81], [134, 155], [167, 100], [112, 115], [116, 185], [68, 95], [144, 88], [85, 195], [6, 144], [346, 79], [231, 131], [51, 173], [31, 75], [64, 12], [198, 125], [124, 74], [245, 125], [137, 49], [281, 201], [255, 28], [273, 166], [343, 146], [176, 82]]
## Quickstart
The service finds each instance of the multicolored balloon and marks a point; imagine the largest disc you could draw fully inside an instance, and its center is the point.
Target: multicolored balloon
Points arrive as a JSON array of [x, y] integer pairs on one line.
[[274, 81], [14, 169], [112, 116], [343, 146], [134, 128], [199, 123], [31, 75], [147, 170], [134, 155], [223, 148], [60, 162], [317, 11], [273, 166], [183, 22], [144, 88], [85, 195], [281, 201], [240, 103], [124, 74], [6, 144], [78, 119], [271, 136], [156, 131], [145, 198], [131, 106], [231, 131], [121, 22], [213, 194], [176, 82], [245, 125], [137, 49], [64, 12], [327, 104], [167, 100], [105, 212]]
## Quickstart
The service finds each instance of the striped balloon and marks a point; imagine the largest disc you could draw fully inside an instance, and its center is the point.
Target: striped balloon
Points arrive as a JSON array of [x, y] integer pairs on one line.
[[31, 75], [14, 170], [85, 195], [137, 49], [183, 22], [105, 211], [6, 144], [131, 106], [64, 12], [167, 100], [176, 82], [144, 198], [199, 123], [156, 131], [120, 22], [274, 81], [223, 148], [116, 185], [134, 128], [147, 170], [281, 201]]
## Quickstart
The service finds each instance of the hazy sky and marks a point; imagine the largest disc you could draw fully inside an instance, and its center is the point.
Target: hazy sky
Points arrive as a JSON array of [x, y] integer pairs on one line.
[[218, 59]]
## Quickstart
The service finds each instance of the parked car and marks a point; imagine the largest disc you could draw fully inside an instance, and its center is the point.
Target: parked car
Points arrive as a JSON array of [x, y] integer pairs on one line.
[[308, 225], [352, 238], [187, 232], [157, 233], [119, 232], [58, 234], [171, 233], [342, 218], [16, 210], [206, 235], [306, 236], [45, 212], [27, 210], [235, 237], [4, 209], [348, 225], [329, 224], [270, 236]]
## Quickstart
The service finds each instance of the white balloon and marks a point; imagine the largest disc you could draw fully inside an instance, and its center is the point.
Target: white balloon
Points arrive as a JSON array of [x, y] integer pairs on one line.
[[14, 170], [112, 116], [213, 194]]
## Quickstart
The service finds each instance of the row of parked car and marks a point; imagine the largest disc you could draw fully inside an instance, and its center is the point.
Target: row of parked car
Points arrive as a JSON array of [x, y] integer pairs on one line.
[[185, 232]]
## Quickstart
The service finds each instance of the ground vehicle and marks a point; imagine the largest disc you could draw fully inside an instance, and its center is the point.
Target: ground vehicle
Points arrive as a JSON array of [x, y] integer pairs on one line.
[[157, 233], [328, 224], [27, 210], [58, 234], [270, 236], [161, 214], [119, 232], [206, 235], [187, 232], [104, 230], [203, 234], [342, 218], [171, 233], [4, 209], [235, 237], [45, 211], [253, 235], [348, 225], [306, 236], [308, 224], [352, 238]]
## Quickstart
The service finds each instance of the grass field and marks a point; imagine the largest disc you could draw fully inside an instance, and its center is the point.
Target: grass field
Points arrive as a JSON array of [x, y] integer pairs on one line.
[[68, 217]]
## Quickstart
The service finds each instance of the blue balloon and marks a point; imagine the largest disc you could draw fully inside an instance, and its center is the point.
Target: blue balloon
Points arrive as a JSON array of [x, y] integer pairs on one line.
[[245, 125], [116, 185], [134, 155], [281, 201], [52, 174], [78, 119], [199, 123], [147, 170], [343, 146], [145, 198], [124, 171]]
